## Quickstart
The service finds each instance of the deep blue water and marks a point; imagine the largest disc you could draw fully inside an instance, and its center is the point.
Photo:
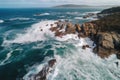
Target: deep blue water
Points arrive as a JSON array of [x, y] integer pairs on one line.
[[17, 58]]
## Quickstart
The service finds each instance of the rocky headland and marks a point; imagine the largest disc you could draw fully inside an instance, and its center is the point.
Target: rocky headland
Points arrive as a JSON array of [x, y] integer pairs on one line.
[[105, 32]]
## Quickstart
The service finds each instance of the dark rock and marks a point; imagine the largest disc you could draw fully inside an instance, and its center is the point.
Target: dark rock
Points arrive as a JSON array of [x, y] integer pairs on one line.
[[78, 28], [52, 62], [54, 29], [41, 30], [45, 70], [83, 47], [118, 55], [51, 25]]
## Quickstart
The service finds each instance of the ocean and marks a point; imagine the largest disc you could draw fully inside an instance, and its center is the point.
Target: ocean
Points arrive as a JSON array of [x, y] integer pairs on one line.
[[24, 50]]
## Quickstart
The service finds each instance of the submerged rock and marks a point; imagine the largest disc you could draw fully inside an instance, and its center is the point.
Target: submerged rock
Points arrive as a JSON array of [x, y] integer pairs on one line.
[[85, 46]]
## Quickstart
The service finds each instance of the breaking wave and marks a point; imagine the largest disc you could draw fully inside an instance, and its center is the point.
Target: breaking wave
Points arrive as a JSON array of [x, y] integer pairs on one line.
[[1, 21], [79, 64], [42, 14], [37, 32], [20, 18]]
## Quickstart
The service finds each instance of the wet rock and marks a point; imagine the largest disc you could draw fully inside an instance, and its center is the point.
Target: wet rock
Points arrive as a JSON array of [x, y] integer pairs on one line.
[[78, 28], [85, 46], [70, 29], [42, 75], [51, 25], [54, 29], [52, 62], [59, 34], [41, 30], [118, 55]]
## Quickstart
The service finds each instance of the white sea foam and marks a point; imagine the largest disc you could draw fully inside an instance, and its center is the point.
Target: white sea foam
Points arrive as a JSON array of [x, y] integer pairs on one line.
[[1, 21], [19, 18], [83, 64], [37, 32], [67, 37], [78, 18], [95, 12], [73, 13], [7, 57], [42, 14]]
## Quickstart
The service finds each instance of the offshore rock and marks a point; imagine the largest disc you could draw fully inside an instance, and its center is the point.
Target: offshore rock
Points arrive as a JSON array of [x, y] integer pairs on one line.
[[45, 71]]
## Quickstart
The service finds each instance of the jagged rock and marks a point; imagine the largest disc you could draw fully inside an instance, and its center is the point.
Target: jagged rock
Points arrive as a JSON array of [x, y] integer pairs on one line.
[[78, 28], [45, 70], [53, 29], [62, 26], [81, 35], [52, 62], [118, 55], [85, 46], [70, 29], [59, 34], [89, 29]]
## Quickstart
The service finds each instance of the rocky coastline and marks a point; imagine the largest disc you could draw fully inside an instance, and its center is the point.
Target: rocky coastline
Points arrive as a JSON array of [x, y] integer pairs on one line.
[[105, 33]]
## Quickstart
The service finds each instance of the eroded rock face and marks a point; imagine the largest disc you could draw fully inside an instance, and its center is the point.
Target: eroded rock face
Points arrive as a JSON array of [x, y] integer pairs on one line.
[[88, 29], [65, 27], [107, 42], [70, 29], [78, 28]]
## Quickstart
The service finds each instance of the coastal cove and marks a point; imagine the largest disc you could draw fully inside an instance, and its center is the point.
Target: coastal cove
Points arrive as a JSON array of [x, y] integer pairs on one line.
[[59, 44]]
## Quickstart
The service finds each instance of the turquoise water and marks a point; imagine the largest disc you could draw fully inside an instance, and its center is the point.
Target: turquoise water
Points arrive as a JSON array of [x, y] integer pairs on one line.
[[22, 49]]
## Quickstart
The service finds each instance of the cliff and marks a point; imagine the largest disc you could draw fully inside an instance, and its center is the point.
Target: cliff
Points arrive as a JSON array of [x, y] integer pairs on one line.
[[105, 33]]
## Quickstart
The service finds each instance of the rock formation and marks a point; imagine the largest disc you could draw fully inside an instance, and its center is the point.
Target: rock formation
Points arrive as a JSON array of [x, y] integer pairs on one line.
[[42, 75], [105, 33]]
